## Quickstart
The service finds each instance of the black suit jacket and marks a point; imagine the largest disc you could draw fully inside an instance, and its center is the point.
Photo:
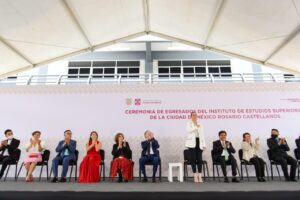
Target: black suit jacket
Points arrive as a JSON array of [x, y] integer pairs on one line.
[[12, 148], [276, 149], [218, 149], [125, 151], [298, 149]]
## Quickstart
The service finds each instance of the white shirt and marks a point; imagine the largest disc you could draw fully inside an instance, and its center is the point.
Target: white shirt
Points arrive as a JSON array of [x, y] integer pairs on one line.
[[192, 133], [6, 150]]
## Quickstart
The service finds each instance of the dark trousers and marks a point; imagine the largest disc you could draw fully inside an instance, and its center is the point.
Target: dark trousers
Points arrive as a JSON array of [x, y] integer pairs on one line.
[[196, 157], [284, 161], [259, 165], [65, 163], [5, 161], [153, 159], [231, 161]]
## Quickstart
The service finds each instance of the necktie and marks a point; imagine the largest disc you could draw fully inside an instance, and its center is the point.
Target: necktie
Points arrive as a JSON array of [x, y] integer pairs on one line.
[[148, 148]]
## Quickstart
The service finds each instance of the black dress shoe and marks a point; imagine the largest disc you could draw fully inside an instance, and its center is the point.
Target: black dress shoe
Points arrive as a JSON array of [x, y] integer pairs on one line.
[[263, 179], [54, 180], [235, 180], [153, 179], [120, 180], [63, 180], [293, 180], [145, 180], [226, 180]]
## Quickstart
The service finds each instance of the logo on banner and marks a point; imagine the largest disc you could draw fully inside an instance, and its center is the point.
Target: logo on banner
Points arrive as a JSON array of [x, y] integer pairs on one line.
[[128, 101], [137, 101]]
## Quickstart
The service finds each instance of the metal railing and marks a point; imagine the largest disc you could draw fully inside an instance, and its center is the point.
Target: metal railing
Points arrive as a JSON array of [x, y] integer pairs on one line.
[[149, 78]]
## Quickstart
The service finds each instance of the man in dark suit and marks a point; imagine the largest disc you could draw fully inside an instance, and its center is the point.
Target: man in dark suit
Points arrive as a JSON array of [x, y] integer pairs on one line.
[[149, 153], [65, 153], [279, 147], [222, 153], [8, 150]]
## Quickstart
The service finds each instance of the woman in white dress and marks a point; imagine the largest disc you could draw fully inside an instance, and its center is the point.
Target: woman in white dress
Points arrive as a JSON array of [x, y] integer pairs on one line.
[[195, 142], [34, 149]]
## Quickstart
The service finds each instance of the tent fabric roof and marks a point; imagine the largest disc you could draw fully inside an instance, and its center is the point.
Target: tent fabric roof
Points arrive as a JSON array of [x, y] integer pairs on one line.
[[35, 32]]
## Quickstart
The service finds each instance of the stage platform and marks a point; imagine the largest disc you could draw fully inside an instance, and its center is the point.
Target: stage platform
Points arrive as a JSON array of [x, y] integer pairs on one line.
[[164, 186]]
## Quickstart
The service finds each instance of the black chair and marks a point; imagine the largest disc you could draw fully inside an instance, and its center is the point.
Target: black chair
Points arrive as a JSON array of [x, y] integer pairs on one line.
[[187, 161], [246, 163], [297, 152], [13, 162], [217, 164], [44, 162], [149, 163], [272, 163], [72, 163], [102, 164]]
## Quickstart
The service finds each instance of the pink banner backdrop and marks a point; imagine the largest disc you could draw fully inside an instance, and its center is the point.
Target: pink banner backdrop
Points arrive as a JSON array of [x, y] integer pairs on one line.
[[164, 109]]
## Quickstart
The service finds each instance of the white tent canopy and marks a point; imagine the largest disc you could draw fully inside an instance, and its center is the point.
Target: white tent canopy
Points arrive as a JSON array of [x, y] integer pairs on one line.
[[35, 32]]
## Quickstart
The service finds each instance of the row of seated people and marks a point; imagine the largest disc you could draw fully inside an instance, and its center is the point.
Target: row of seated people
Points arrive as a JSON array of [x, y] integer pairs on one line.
[[122, 165]]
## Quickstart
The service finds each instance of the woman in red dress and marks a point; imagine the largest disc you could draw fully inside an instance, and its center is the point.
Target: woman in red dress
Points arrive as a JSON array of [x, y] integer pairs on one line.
[[89, 167], [121, 163]]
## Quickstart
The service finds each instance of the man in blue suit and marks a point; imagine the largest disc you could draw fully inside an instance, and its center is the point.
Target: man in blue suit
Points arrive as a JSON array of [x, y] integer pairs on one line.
[[65, 152], [150, 153]]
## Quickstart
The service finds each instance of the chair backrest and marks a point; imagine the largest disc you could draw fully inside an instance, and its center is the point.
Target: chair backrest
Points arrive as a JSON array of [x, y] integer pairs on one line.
[[76, 154], [186, 155], [241, 154], [297, 153], [102, 154], [18, 153], [269, 154], [212, 155], [46, 155], [130, 155]]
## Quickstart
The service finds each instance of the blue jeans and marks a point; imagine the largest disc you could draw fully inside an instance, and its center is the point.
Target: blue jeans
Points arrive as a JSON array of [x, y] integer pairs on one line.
[[154, 159], [65, 163]]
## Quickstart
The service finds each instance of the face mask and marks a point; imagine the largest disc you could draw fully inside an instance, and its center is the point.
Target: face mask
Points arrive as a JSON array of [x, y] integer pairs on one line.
[[274, 136], [10, 137]]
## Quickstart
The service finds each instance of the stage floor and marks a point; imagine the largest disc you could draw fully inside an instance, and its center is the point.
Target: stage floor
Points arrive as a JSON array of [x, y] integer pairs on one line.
[[164, 186]]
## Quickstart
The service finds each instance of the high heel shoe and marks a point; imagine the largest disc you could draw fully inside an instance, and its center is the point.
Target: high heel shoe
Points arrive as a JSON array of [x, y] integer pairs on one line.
[[200, 178], [196, 178]]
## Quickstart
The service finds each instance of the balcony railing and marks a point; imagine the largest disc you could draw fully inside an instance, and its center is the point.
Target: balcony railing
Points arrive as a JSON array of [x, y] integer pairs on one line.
[[149, 78]]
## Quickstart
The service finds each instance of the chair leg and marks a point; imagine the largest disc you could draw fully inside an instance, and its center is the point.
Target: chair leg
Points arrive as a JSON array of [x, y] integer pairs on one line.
[[140, 173], [271, 167], [247, 173], [71, 173], [242, 173], [160, 172], [41, 172], [76, 172], [16, 172], [184, 172], [214, 177], [20, 170], [207, 170], [47, 171], [278, 172], [203, 169], [266, 168], [6, 173], [103, 172]]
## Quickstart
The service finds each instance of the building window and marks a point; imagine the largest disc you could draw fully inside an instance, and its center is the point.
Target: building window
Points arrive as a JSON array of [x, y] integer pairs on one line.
[[193, 68], [103, 69]]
